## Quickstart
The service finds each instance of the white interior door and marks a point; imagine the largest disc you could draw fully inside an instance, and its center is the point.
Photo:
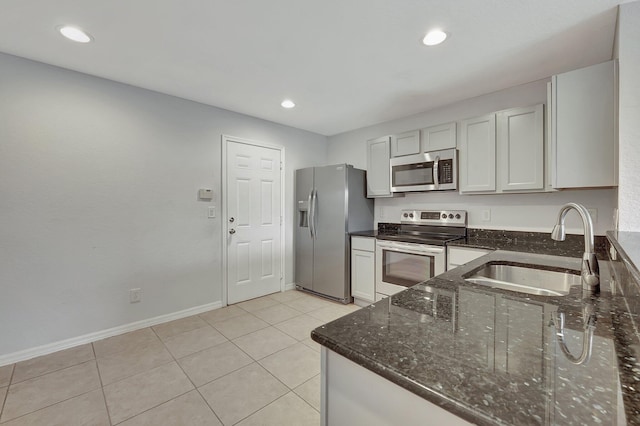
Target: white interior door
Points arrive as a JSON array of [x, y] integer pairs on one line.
[[253, 220]]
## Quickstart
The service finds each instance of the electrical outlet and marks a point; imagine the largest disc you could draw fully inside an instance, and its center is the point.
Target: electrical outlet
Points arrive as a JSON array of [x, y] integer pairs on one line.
[[135, 295], [486, 215], [211, 212]]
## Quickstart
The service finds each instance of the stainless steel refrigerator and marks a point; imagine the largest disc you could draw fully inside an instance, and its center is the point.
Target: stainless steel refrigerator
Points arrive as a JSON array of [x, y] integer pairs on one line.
[[330, 203]]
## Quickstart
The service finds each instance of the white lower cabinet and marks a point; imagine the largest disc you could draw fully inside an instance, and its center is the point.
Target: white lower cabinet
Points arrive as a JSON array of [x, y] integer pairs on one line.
[[457, 256], [363, 270], [353, 395]]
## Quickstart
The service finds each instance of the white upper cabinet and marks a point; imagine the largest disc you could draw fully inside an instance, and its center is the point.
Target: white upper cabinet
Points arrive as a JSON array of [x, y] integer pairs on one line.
[[378, 172], [405, 144], [520, 155], [477, 154], [503, 152], [438, 137], [583, 132]]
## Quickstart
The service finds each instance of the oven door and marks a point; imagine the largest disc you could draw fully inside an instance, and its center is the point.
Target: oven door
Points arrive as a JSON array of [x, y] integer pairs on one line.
[[401, 265]]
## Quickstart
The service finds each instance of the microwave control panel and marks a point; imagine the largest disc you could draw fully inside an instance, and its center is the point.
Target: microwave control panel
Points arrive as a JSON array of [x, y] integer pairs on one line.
[[446, 171]]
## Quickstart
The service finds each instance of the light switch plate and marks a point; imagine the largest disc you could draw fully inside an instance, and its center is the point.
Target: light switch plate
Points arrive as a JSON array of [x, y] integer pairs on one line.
[[211, 212]]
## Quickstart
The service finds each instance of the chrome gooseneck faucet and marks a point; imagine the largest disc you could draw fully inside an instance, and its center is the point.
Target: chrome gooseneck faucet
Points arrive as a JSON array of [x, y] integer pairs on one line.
[[590, 270]]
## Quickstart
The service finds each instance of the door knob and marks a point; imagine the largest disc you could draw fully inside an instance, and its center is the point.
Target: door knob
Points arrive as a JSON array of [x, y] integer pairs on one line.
[[232, 231], [231, 219]]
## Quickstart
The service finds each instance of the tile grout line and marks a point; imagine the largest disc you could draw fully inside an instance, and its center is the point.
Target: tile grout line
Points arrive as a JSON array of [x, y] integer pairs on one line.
[[6, 395], [56, 403], [175, 360], [278, 380], [273, 402], [50, 371], [104, 397], [151, 408], [301, 397], [210, 408]]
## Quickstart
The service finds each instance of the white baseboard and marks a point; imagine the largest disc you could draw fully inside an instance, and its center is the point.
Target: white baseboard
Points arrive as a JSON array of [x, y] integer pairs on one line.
[[103, 334], [290, 286]]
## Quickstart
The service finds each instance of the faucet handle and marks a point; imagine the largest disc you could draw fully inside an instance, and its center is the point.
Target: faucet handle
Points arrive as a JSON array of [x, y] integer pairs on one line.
[[590, 273]]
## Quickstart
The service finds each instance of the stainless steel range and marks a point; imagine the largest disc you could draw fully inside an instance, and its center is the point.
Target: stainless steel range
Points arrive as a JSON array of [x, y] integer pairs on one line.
[[416, 251]]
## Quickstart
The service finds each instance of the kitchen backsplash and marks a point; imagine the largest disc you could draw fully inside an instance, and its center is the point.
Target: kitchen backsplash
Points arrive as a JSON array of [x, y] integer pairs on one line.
[[516, 212]]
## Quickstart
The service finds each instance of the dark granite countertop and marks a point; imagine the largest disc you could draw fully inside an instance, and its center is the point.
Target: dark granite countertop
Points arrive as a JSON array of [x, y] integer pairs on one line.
[[492, 356], [520, 241], [529, 242]]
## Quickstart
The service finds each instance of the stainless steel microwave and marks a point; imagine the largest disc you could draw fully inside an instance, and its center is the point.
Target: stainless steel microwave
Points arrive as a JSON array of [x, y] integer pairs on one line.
[[429, 171]]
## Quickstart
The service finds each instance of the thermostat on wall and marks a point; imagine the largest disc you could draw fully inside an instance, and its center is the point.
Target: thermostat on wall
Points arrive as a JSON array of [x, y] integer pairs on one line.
[[205, 194]]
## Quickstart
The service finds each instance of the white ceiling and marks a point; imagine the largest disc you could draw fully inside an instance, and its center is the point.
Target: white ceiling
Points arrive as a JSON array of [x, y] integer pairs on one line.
[[346, 63]]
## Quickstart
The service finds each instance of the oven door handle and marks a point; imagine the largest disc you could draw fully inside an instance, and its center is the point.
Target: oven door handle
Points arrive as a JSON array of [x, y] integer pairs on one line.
[[411, 250]]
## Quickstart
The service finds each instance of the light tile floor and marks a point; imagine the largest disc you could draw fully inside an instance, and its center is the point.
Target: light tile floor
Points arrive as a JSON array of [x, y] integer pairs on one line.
[[252, 363]]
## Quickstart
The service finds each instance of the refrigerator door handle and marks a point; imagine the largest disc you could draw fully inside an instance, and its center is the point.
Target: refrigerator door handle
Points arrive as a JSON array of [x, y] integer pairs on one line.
[[312, 208], [310, 213]]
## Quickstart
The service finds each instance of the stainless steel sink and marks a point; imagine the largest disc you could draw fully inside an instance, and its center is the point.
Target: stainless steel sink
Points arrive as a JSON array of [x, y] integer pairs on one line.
[[525, 279]]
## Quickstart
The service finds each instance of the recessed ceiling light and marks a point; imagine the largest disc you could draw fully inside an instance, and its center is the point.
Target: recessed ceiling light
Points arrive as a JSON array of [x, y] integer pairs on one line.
[[287, 103], [75, 34], [434, 37]]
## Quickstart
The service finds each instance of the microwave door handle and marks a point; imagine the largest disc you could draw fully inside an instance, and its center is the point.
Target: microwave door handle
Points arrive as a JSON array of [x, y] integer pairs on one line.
[[436, 172]]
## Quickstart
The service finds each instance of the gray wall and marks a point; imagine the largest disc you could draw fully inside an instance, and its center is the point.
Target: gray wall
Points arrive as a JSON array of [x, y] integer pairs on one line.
[[98, 194]]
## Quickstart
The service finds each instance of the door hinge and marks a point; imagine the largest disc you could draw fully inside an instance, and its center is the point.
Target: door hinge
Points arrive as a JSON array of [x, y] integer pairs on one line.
[[281, 165], [280, 220]]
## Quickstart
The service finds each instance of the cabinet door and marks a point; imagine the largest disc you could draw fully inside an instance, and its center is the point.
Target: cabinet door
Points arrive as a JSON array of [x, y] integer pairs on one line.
[[438, 137], [405, 144], [477, 154], [363, 275], [583, 127], [521, 148], [378, 172]]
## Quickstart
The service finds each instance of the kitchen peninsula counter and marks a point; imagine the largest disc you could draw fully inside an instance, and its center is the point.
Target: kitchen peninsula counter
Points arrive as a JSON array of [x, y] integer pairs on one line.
[[492, 356]]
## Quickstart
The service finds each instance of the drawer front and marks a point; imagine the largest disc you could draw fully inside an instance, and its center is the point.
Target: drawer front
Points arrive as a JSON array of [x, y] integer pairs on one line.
[[363, 243]]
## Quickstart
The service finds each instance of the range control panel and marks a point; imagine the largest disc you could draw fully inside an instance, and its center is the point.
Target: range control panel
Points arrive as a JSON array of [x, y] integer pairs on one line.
[[435, 217]]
